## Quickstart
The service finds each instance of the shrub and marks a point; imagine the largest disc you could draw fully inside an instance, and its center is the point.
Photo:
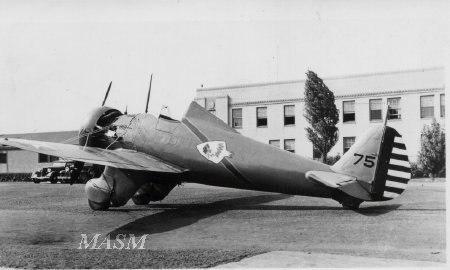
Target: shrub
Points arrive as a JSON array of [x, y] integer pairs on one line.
[[416, 171], [432, 150], [331, 160]]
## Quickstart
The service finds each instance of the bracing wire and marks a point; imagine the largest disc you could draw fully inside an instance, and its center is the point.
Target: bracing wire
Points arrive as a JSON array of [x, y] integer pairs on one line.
[[126, 130]]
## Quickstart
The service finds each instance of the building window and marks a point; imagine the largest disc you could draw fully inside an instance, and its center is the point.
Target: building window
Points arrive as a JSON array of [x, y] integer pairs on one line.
[[427, 106], [275, 143], [442, 105], [289, 115], [349, 111], [316, 153], [3, 158], [348, 142], [236, 115], [43, 158], [261, 117], [375, 109], [211, 106], [394, 108], [289, 145]]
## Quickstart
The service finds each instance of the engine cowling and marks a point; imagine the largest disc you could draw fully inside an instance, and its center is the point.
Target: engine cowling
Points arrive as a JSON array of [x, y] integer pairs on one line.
[[94, 131]]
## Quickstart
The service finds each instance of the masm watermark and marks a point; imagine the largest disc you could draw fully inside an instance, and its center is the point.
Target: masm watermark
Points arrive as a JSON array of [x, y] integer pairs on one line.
[[121, 241]]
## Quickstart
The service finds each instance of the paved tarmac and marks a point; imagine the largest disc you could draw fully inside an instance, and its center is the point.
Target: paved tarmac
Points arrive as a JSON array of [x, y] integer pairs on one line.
[[198, 226], [298, 259]]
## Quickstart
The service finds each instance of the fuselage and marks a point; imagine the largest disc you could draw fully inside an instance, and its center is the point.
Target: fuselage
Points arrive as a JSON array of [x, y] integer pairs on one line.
[[252, 165]]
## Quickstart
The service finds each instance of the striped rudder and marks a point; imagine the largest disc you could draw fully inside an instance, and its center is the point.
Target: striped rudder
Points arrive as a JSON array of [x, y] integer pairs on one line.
[[394, 171], [399, 170]]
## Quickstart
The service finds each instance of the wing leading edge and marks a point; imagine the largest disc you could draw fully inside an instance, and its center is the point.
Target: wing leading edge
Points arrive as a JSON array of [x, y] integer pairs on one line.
[[119, 158]]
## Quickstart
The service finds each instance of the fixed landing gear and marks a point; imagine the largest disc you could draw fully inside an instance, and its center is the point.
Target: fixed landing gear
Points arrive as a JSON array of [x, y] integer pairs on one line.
[[352, 205], [151, 192], [99, 206], [347, 201], [140, 200]]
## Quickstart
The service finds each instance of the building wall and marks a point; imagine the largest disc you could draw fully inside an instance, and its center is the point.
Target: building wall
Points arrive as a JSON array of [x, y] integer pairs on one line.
[[19, 161], [409, 126], [409, 86]]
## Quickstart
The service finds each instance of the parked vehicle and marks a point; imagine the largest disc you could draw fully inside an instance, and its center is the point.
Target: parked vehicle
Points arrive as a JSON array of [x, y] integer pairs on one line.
[[62, 171]]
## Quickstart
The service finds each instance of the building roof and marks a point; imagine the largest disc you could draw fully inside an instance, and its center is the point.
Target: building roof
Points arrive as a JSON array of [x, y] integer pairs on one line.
[[70, 137], [407, 81]]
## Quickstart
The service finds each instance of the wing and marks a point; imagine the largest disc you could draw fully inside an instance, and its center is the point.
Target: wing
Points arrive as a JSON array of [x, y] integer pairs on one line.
[[119, 158]]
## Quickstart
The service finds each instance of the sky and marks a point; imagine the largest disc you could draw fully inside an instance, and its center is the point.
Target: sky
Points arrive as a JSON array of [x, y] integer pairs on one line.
[[58, 57]]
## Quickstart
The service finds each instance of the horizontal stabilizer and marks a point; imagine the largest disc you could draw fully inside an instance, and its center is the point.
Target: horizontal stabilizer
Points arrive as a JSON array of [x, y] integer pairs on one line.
[[329, 179], [345, 183]]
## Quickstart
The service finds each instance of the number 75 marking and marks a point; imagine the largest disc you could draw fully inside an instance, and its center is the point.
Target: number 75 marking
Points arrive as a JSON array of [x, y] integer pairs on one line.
[[368, 161]]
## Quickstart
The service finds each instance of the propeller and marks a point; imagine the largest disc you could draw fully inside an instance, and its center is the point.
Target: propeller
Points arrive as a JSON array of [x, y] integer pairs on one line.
[[107, 93], [148, 95]]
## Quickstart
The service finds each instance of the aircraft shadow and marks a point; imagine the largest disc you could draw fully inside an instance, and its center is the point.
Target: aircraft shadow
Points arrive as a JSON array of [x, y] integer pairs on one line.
[[377, 210], [175, 216], [181, 215]]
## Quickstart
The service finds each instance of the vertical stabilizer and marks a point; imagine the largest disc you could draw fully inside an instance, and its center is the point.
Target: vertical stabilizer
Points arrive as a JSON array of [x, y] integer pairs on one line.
[[378, 158]]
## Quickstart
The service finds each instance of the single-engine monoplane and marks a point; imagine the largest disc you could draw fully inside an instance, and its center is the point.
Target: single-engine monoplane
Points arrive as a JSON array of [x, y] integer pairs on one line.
[[146, 156]]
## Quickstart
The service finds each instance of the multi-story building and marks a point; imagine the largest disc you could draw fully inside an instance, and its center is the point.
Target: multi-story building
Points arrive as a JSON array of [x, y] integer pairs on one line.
[[273, 112]]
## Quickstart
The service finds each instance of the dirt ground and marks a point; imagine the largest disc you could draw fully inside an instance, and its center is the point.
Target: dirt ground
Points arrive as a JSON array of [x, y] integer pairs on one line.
[[198, 226]]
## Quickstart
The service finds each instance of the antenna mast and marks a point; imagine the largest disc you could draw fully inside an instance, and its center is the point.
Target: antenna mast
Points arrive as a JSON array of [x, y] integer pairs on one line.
[[107, 93], [148, 95], [387, 115]]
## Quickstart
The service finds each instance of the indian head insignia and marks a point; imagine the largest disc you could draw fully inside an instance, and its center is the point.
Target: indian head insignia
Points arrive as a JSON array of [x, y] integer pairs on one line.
[[214, 151]]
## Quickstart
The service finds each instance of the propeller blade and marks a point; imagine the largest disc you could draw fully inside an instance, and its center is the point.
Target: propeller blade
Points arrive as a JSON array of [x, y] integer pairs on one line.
[[148, 95], [107, 93]]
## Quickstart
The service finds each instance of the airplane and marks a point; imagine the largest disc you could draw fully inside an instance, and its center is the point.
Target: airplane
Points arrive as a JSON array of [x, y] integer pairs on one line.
[[146, 156]]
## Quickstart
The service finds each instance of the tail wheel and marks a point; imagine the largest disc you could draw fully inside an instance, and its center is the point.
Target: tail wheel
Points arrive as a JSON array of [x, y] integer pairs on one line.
[[346, 200], [352, 205]]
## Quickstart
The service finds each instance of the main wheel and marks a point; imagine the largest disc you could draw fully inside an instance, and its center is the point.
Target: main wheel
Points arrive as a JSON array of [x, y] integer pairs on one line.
[[140, 199], [98, 206]]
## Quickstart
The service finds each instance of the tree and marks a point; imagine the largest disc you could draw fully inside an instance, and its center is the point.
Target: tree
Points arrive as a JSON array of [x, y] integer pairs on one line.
[[321, 113], [432, 149]]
